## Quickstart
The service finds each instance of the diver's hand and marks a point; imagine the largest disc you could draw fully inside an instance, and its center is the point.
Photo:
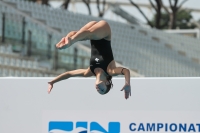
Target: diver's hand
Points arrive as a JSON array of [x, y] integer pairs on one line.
[[127, 90], [50, 87]]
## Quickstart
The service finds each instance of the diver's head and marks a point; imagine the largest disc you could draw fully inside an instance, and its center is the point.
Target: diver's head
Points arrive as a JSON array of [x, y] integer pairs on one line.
[[103, 82]]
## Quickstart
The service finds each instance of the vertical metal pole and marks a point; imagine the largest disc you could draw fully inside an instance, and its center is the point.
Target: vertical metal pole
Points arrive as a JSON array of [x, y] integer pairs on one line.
[[3, 28], [73, 6], [23, 30], [83, 62], [75, 58], [55, 61], [29, 52], [49, 46]]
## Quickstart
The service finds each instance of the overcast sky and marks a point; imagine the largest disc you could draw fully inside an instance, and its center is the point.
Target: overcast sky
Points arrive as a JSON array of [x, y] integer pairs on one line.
[[81, 8]]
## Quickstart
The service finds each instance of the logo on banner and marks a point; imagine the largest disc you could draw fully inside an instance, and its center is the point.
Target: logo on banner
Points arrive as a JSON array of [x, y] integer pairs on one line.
[[82, 127]]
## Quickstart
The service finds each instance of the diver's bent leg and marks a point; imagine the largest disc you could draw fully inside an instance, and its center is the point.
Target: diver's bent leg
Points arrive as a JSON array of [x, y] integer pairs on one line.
[[100, 30], [70, 34], [88, 25], [96, 32], [65, 40]]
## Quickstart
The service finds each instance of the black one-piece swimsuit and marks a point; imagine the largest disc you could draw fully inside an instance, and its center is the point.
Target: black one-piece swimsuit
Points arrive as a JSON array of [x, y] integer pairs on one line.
[[101, 54]]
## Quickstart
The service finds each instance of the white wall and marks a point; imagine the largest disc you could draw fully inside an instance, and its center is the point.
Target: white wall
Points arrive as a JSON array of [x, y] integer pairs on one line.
[[23, 101]]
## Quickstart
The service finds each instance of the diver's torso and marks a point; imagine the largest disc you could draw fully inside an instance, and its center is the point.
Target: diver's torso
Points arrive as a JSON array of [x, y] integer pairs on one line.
[[101, 54]]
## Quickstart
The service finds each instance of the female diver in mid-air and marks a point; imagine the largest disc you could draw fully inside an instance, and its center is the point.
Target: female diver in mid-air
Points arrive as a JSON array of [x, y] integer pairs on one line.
[[102, 64]]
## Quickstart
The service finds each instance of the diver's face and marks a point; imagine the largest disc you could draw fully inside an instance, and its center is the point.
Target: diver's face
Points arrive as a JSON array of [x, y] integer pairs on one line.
[[101, 87], [101, 83]]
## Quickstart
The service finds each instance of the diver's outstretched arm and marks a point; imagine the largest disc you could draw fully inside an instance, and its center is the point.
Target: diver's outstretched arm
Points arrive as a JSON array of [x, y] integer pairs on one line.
[[126, 73], [66, 75]]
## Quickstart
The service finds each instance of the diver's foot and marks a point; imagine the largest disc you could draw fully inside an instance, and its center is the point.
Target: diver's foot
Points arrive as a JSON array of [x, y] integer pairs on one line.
[[67, 44], [62, 42]]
